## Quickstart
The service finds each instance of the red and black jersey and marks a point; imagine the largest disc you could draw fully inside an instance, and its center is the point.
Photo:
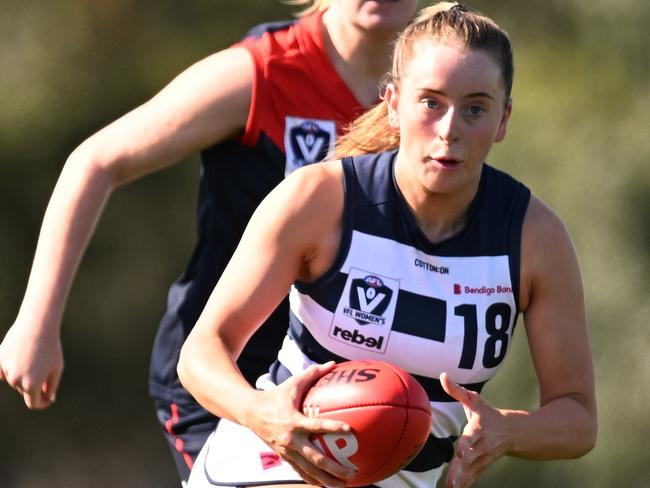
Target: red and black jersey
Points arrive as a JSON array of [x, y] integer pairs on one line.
[[298, 105], [298, 101]]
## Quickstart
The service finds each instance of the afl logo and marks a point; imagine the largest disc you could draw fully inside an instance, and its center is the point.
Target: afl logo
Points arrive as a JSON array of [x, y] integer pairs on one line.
[[374, 281]]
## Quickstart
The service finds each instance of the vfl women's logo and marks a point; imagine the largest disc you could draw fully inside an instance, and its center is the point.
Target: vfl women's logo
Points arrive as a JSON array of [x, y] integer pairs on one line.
[[369, 299], [307, 141], [364, 314]]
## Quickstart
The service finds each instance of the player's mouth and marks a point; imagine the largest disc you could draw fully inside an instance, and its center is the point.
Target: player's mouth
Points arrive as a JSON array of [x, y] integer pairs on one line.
[[446, 162]]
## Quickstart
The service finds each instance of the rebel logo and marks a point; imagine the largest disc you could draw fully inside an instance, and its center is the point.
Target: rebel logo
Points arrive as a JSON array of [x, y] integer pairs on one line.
[[369, 299], [356, 337]]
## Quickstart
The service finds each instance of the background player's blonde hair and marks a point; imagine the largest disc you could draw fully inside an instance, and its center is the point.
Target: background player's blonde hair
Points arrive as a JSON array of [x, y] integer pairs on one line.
[[444, 21]]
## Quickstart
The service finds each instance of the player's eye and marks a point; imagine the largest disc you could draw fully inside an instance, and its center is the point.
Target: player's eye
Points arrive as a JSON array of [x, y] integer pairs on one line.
[[431, 103], [475, 110]]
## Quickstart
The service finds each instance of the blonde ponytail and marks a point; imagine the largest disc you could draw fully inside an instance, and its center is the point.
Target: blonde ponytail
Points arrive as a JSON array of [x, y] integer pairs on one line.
[[369, 133]]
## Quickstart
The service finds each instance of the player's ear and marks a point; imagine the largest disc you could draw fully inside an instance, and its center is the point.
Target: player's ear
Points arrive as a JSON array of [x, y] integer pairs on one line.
[[391, 98], [503, 123]]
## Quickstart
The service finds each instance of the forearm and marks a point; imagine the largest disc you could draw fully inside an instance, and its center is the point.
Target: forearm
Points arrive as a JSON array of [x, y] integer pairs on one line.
[[71, 216], [206, 369], [561, 429]]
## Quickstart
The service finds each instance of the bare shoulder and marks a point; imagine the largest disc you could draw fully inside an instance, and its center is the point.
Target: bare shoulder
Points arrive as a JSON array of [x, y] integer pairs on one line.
[[309, 205], [216, 89], [318, 184], [541, 222], [547, 252], [233, 66], [309, 196]]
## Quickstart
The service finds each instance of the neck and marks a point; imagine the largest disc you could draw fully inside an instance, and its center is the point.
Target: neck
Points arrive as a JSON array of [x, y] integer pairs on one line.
[[360, 58], [438, 215]]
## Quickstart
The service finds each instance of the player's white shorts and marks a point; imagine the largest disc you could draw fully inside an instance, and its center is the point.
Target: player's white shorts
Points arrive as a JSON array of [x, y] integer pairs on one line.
[[234, 456]]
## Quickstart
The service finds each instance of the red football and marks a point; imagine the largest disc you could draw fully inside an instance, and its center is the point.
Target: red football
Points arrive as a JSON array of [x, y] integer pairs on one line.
[[388, 410]]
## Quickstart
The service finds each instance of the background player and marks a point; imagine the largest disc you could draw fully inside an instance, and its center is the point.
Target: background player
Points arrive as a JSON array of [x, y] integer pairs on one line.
[[256, 111], [344, 236]]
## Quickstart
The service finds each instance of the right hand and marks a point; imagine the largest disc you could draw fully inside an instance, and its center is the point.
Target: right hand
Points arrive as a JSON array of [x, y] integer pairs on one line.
[[280, 423], [32, 364]]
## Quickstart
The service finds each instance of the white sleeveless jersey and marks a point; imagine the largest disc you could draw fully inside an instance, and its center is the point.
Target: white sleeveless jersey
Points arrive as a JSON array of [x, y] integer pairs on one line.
[[392, 295]]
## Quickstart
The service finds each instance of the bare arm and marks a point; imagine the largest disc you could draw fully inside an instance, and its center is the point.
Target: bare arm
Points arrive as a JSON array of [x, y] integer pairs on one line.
[[564, 425], [205, 104], [294, 234]]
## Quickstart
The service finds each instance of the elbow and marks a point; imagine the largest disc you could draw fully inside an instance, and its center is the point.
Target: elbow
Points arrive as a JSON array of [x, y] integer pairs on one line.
[[584, 436], [91, 161], [588, 438]]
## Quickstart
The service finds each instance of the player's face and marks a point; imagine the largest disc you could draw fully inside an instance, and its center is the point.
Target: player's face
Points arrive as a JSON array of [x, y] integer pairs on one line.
[[450, 107], [377, 16]]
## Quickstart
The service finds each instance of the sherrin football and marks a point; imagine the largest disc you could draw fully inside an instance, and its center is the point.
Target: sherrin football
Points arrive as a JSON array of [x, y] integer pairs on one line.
[[387, 409]]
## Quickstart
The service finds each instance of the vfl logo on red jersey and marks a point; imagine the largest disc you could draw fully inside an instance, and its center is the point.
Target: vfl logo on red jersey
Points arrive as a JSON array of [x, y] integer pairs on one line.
[[307, 141]]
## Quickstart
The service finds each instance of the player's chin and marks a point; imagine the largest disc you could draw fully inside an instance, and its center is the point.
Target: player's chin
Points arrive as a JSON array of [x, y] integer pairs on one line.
[[384, 16]]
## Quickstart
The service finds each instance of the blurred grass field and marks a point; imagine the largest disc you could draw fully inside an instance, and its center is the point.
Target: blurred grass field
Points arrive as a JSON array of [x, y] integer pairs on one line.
[[578, 137]]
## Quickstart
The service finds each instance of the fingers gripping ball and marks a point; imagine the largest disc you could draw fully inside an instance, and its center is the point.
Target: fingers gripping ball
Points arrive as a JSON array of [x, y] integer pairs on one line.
[[387, 409]]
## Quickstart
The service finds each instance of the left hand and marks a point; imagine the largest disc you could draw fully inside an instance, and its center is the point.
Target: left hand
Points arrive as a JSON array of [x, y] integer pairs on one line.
[[484, 437]]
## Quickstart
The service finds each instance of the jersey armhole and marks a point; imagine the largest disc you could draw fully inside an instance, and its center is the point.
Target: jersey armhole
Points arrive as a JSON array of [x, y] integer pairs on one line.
[[251, 133], [515, 235]]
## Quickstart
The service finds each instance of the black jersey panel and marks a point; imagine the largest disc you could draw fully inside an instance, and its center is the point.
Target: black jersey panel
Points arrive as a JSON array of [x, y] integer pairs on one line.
[[490, 226], [261, 29], [224, 210]]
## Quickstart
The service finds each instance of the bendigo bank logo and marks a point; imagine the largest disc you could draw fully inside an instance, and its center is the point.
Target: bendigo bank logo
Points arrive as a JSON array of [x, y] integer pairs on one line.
[[481, 290], [364, 315], [307, 141]]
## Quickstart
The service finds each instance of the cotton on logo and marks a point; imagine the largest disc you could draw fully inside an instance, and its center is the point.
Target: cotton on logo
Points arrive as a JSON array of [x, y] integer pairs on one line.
[[340, 447]]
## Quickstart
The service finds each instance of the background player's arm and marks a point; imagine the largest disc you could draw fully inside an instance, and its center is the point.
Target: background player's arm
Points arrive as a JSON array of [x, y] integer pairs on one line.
[[564, 425], [294, 234], [207, 103]]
